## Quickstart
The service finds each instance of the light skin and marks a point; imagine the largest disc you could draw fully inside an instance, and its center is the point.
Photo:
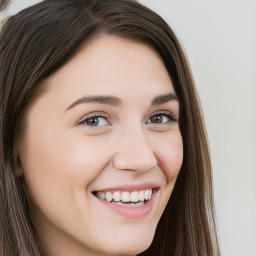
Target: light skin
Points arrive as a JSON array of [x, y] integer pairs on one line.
[[133, 139]]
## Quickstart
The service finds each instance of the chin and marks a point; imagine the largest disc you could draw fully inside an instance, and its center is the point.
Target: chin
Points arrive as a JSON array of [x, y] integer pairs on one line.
[[127, 245], [130, 249]]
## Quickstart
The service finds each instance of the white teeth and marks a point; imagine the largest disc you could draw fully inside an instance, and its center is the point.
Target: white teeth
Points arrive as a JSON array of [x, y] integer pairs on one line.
[[117, 196], [101, 195], [134, 197], [146, 194], [109, 196], [125, 197], [150, 194], [141, 196]]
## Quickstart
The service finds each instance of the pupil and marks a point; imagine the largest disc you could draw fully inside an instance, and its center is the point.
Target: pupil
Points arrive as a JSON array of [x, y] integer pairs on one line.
[[93, 121], [157, 119]]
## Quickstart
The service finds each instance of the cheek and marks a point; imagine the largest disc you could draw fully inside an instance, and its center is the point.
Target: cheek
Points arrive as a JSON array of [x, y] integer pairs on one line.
[[170, 156], [169, 152], [63, 160], [60, 167]]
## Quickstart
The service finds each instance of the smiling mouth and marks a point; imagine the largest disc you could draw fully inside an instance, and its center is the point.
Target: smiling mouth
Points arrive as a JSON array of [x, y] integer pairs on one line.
[[125, 198]]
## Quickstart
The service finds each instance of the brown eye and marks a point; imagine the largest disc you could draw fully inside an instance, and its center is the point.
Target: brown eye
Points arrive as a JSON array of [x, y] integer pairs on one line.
[[92, 121], [162, 118], [157, 119], [97, 121]]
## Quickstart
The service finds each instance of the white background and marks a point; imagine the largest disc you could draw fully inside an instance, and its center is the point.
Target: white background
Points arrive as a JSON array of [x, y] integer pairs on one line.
[[219, 38]]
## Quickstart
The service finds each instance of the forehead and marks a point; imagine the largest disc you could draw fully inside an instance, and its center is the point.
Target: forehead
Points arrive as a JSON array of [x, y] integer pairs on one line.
[[112, 66]]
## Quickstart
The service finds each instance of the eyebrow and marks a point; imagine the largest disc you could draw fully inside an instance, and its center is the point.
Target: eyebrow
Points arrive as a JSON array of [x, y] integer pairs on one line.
[[105, 100], [161, 99], [116, 102]]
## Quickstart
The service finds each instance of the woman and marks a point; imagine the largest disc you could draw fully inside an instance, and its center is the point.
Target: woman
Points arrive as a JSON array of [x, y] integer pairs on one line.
[[103, 148]]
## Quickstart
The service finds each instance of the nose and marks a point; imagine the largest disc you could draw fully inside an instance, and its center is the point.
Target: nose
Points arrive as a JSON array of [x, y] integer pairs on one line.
[[134, 153]]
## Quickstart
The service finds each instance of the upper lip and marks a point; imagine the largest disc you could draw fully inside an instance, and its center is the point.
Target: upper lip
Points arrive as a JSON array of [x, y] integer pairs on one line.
[[131, 187]]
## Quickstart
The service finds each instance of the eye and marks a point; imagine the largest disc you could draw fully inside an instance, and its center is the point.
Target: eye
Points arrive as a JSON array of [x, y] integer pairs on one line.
[[96, 121], [162, 118]]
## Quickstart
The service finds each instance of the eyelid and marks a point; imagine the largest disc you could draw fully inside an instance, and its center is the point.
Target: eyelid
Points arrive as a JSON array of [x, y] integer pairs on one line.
[[168, 113], [173, 117], [94, 114]]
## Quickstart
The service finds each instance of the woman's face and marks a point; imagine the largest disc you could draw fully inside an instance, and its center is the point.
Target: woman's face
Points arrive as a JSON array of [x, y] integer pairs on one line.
[[97, 143]]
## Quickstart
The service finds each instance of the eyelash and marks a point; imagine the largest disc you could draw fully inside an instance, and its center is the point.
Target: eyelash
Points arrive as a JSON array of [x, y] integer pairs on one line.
[[167, 114], [91, 117], [170, 116]]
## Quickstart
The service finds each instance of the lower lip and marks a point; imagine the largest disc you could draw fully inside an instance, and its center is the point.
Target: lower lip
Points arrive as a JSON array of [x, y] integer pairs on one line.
[[135, 212]]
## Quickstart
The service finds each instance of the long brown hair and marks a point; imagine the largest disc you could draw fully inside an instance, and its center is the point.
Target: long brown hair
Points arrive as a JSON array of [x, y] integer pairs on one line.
[[37, 42]]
